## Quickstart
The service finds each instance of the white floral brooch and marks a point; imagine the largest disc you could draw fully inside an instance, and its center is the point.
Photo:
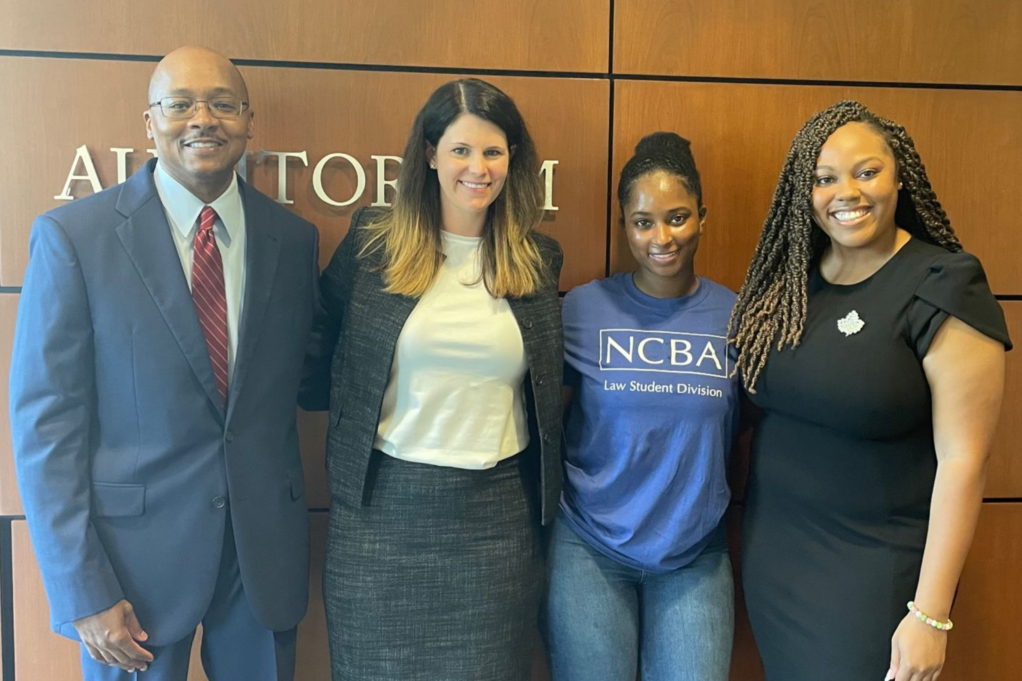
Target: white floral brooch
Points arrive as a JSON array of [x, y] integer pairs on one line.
[[850, 323]]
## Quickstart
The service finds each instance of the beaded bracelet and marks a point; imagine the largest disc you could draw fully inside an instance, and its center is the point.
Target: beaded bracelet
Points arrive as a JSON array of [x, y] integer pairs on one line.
[[926, 619]]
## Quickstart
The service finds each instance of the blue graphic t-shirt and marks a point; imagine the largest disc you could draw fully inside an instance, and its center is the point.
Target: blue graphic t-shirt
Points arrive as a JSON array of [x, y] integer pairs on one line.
[[652, 421]]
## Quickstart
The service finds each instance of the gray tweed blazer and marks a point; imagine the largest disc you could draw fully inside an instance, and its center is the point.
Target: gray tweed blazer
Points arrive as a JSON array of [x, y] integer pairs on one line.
[[352, 350]]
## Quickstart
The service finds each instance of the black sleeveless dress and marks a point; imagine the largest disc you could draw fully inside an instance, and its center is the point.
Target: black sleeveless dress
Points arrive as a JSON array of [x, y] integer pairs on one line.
[[843, 465]]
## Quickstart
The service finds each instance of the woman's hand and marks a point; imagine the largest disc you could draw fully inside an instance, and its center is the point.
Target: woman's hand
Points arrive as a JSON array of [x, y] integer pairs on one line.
[[917, 651]]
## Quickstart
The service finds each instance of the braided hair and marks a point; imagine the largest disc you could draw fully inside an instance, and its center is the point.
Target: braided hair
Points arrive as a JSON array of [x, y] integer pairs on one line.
[[661, 151], [771, 307]]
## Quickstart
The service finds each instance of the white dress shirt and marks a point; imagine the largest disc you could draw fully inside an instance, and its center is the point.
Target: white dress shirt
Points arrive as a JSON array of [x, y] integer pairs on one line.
[[182, 209], [456, 396]]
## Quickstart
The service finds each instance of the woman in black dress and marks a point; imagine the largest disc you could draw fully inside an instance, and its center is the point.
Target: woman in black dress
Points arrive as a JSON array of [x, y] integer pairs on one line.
[[875, 349]]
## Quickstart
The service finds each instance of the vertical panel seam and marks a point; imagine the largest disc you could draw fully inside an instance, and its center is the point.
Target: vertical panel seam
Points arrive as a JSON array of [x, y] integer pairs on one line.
[[6, 599], [610, 144]]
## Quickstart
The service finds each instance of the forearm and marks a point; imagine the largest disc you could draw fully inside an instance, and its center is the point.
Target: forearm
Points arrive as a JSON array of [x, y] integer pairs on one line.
[[954, 512]]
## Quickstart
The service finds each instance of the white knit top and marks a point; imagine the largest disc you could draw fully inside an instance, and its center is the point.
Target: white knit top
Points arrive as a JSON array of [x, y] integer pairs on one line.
[[455, 395]]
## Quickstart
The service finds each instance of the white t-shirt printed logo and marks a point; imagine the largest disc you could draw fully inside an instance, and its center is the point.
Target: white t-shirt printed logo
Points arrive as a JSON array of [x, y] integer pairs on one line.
[[671, 352]]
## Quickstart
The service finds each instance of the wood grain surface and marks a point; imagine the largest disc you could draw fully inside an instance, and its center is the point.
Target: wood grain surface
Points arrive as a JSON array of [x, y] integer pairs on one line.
[[532, 35], [906, 41], [740, 136]]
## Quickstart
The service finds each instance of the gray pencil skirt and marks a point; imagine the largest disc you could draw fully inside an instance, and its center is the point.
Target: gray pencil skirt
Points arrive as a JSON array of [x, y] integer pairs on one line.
[[438, 577]]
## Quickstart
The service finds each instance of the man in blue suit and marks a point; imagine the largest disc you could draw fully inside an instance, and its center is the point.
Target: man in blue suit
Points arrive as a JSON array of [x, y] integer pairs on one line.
[[159, 345]]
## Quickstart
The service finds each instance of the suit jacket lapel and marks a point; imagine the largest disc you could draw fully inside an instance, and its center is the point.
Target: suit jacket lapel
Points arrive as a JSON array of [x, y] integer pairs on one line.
[[146, 239], [386, 312], [262, 253]]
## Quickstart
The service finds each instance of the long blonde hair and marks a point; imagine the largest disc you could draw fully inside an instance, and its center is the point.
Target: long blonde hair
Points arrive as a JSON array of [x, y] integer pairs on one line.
[[407, 238]]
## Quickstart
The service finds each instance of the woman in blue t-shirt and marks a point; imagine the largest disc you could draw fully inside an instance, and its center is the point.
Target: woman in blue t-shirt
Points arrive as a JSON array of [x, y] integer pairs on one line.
[[639, 571]]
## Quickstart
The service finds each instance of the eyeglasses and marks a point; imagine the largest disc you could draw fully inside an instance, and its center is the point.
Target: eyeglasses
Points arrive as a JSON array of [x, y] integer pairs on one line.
[[180, 108]]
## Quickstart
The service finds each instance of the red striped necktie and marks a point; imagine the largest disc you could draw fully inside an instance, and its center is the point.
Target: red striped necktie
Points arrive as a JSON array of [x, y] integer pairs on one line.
[[209, 295]]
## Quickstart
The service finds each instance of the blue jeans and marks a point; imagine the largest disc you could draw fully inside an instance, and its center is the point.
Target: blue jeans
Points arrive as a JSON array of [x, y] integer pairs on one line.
[[604, 620]]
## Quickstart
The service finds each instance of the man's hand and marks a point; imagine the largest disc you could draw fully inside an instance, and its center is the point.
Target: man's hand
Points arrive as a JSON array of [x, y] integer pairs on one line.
[[111, 637]]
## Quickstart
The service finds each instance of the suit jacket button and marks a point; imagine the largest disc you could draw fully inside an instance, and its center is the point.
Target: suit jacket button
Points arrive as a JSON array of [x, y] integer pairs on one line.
[[229, 436], [539, 380], [527, 323], [547, 438], [219, 502]]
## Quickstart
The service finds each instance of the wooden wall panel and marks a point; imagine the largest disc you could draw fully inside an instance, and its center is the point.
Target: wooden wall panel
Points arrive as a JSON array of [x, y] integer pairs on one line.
[[534, 35], [741, 133], [195, 671], [97, 104], [914, 41], [313, 662], [1004, 477], [10, 504], [38, 652], [312, 428], [320, 112], [984, 642]]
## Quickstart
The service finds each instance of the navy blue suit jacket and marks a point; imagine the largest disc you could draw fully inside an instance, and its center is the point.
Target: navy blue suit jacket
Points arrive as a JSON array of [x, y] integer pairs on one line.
[[128, 464]]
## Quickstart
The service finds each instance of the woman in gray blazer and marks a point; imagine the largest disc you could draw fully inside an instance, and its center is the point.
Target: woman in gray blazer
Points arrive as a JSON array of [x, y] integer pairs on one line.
[[443, 323]]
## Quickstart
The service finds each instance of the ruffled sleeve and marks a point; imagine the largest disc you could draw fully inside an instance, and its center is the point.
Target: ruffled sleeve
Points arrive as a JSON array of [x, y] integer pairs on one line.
[[955, 286]]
